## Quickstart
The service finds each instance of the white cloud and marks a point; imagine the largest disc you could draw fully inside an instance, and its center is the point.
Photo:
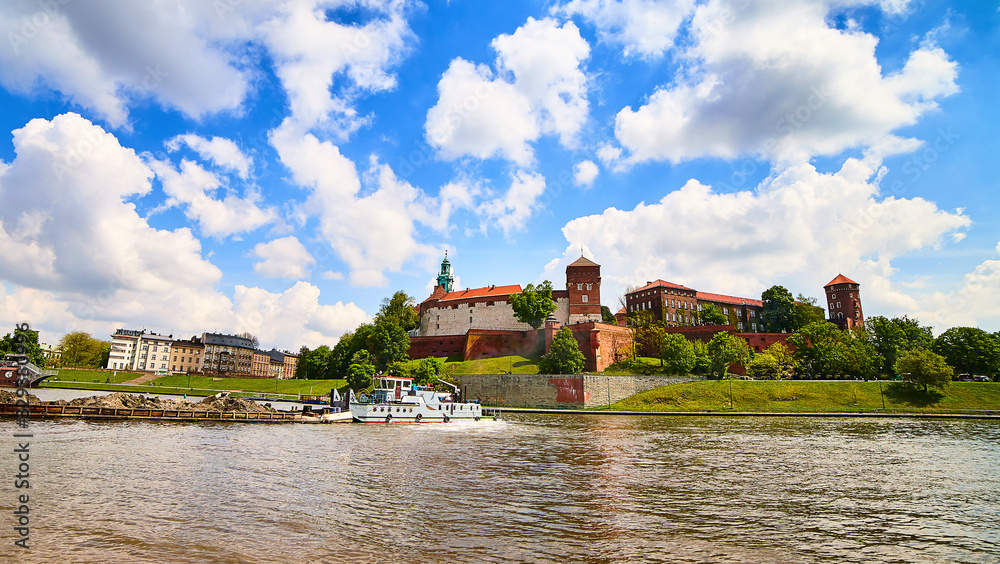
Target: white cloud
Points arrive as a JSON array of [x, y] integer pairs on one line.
[[775, 80], [192, 188], [647, 28], [584, 173], [283, 258], [511, 211], [65, 270], [372, 232], [309, 49], [539, 89], [104, 58], [219, 150], [294, 317], [799, 228]]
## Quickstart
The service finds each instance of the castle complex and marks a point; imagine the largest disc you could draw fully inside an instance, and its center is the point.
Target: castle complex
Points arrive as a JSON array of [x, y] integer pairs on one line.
[[480, 322]]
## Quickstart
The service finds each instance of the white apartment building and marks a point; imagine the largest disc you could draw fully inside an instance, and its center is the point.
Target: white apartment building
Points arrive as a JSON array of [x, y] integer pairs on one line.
[[139, 350], [123, 347]]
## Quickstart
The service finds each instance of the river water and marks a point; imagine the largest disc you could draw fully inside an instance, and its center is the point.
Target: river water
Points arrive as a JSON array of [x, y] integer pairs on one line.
[[532, 488]]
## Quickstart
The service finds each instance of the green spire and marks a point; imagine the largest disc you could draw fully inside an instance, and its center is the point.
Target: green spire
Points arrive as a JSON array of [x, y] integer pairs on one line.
[[445, 278]]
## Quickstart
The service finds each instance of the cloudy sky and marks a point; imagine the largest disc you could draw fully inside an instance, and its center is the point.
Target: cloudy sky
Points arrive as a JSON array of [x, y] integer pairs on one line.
[[278, 168]]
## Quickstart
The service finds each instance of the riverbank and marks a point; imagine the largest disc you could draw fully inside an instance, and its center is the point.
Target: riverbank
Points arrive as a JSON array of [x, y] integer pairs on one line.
[[812, 397], [193, 385]]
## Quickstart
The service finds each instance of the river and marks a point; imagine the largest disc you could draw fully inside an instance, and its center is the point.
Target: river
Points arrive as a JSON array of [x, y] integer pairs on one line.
[[532, 488]]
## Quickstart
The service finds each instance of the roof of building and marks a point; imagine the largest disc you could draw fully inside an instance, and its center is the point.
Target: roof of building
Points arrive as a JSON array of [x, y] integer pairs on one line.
[[841, 279], [486, 292], [583, 261], [724, 299], [661, 284], [276, 356], [231, 340]]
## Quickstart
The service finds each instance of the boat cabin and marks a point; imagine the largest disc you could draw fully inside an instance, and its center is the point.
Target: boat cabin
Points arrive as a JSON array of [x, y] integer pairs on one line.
[[391, 388]]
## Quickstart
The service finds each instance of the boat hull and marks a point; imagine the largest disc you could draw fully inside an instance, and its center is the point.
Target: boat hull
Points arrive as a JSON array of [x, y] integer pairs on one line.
[[415, 412]]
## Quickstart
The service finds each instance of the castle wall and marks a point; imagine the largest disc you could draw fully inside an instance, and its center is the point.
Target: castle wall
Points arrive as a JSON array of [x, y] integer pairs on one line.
[[459, 318], [559, 390]]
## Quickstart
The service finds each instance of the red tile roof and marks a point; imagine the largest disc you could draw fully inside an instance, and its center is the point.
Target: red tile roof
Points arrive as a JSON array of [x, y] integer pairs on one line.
[[487, 292], [841, 279], [721, 298], [661, 284]]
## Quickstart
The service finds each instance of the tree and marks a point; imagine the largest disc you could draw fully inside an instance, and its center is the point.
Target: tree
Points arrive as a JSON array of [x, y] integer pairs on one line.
[[607, 316], [399, 309], [702, 362], [81, 350], [778, 307], [892, 336], [361, 371], [825, 350], [764, 365], [533, 305], [313, 364], [564, 356], [250, 337], [676, 354], [711, 315], [388, 343], [23, 341], [725, 349], [922, 367], [805, 311], [969, 350], [426, 371]]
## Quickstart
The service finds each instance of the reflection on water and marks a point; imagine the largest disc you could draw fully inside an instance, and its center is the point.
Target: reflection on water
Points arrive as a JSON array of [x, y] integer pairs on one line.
[[530, 489]]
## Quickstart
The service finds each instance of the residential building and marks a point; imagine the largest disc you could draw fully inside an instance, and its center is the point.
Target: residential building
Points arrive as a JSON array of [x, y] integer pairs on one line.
[[227, 355], [291, 365], [260, 364], [124, 344], [187, 356], [153, 352]]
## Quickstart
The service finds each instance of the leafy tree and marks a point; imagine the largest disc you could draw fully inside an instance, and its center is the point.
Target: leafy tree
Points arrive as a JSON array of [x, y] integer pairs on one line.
[[533, 305], [361, 371], [805, 311], [564, 356], [827, 351], [607, 316], [778, 309], [388, 343], [890, 337], [782, 354], [725, 349], [922, 367], [81, 350], [969, 350], [23, 341], [426, 371], [702, 362], [399, 309], [677, 354], [711, 315], [313, 364], [765, 366]]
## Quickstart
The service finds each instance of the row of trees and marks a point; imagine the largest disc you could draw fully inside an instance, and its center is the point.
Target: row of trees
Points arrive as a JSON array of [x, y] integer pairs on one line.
[[78, 349]]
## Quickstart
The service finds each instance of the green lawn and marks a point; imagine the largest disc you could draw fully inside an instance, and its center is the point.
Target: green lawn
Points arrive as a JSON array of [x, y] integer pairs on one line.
[[251, 386], [76, 375], [807, 397], [500, 365], [198, 385]]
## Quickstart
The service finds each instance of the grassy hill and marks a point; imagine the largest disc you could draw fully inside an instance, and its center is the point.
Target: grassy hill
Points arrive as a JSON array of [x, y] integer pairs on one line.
[[814, 396]]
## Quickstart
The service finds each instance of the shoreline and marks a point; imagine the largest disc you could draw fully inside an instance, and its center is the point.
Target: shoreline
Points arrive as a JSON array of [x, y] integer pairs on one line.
[[838, 414]]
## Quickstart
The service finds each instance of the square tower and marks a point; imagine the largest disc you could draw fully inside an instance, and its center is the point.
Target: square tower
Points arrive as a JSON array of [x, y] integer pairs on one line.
[[583, 282]]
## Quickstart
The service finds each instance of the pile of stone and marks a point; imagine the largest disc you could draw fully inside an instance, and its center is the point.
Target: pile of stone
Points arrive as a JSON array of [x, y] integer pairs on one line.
[[11, 397], [138, 401]]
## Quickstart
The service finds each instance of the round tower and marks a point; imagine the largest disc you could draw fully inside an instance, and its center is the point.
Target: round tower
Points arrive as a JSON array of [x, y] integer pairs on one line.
[[843, 299]]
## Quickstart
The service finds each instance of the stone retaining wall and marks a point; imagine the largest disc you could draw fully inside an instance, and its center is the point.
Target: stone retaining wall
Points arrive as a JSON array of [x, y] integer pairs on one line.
[[559, 390]]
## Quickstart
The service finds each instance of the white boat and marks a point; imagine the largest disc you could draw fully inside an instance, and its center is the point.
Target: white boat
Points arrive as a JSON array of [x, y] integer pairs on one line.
[[398, 400]]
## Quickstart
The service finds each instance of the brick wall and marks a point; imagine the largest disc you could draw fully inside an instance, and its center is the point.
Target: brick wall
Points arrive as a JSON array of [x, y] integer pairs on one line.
[[446, 320], [558, 390]]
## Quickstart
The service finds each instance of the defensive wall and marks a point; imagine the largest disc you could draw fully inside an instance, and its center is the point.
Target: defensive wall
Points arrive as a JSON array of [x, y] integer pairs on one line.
[[559, 390]]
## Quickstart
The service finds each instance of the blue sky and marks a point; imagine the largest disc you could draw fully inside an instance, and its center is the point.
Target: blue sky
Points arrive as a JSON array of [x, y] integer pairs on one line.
[[280, 167]]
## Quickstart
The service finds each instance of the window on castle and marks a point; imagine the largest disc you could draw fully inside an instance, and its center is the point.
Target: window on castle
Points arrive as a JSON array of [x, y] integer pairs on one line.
[[584, 298], [838, 305], [833, 296], [579, 286], [725, 311]]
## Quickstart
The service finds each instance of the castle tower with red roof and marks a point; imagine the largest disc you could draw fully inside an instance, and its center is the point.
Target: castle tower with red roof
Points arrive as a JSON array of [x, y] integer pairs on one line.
[[583, 283], [843, 299]]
